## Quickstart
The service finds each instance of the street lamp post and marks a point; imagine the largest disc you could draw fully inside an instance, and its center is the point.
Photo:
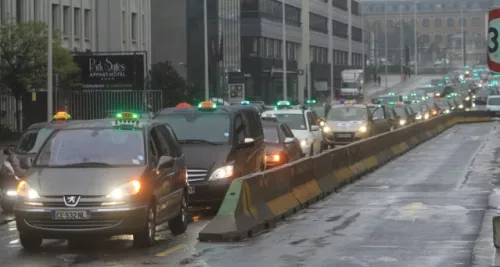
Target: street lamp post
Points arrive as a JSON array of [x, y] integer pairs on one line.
[[463, 34], [401, 38], [386, 30], [205, 33], [415, 37], [50, 89], [283, 29]]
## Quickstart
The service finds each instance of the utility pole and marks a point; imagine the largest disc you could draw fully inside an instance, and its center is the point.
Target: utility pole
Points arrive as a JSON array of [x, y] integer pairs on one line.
[[386, 30], [401, 38], [205, 33], [283, 29], [50, 88], [415, 37]]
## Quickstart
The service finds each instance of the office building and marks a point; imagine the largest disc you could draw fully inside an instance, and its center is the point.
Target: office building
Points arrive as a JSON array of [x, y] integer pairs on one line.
[[439, 26], [90, 25], [246, 36]]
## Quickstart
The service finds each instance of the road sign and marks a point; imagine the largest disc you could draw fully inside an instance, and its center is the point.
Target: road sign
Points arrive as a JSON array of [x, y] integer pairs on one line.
[[493, 40], [236, 93]]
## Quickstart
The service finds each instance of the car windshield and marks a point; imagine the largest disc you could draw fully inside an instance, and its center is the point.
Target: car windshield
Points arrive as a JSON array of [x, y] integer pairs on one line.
[[320, 110], [93, 147], [494, 101], [271, 135], [347, 114], [32, 140], [386, 99], [400, 111], [437, 82], [204, 126], [294, 121], [416, 107], [349, 85]]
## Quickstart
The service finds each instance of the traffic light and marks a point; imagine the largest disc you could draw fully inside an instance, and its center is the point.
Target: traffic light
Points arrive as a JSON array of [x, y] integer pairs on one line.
[[407, 54]]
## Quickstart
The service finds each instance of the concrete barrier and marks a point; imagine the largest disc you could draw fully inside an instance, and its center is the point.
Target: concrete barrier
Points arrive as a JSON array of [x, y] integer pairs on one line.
[[256, 202]]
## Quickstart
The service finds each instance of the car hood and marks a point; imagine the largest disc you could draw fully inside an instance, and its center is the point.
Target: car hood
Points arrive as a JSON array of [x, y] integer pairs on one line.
[[205, 157], [345, 126], [80, 181], [300, 134]]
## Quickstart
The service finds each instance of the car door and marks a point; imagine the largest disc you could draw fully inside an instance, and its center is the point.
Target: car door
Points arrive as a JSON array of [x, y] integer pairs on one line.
[[253, 129], [157, 181], [317, 135], [178, 181], [380, 120], [242, 164], [294, 150], [167, 194]]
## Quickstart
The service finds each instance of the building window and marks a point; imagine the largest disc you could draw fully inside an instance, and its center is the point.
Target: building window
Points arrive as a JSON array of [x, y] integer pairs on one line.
[[134, 26], [272, 10], [425, 38], [357, 34], [340, 29], [425, 23], [66, 21], [450, 22], [55, 16], [318, 23], [143, 28], [463, 22], [437, 22], [438, 38], [340, 4], [475, 22], [124, 27], [77, 23], [36, 10], [19, 10], [86, 23]]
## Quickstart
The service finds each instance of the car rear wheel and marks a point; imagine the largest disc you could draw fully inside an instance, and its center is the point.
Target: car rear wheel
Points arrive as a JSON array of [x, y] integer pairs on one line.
[[178, 225], [146, 237], [30, 242]]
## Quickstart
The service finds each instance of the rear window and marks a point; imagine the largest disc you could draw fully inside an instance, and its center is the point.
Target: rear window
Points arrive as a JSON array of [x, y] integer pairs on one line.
[[494, 101], [400, 111], [271, 135], [294, 121], [32, 141]]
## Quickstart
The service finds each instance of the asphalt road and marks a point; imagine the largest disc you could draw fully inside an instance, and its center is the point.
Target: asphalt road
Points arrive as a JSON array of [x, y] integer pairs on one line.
[[425, 208]]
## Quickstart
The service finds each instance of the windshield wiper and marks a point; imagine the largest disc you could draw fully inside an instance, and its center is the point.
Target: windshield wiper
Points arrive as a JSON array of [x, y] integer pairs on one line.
[[86, 164], [196, 141]]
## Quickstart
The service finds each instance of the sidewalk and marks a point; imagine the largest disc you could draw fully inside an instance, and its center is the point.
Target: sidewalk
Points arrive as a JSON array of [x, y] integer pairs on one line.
[[393, 80]]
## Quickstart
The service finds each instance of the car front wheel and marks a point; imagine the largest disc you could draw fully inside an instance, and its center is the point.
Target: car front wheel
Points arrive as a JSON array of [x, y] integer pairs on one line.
[[178, 225], [30, 242], [146, 237]]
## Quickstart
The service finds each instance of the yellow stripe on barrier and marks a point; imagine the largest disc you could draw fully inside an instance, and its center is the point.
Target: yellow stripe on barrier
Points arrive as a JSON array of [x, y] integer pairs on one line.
[[415, 140], [282, 204], [357, 168], [404, 147], [306, 191], [396, 149], [370, 162], [343, 174], [246, 201], [440, 128]]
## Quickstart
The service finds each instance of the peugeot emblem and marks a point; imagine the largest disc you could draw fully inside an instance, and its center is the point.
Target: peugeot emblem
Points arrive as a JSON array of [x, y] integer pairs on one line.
[[71, 201]]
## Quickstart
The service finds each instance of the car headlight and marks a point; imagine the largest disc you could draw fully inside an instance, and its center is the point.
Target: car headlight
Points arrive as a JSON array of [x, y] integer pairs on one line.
[[467, 98], [326, 129], [222, 173], [402, 122], [321, 123], [274, 157], [303, 142], [131, 188], [447, 111], [24, 190], [363, 129], [460, 106], [418, 117], [438, 94], [474, 96], [426, 116]]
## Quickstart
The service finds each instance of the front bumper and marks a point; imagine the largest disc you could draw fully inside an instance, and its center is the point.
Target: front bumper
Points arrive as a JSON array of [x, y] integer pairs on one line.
[[344, 138], [103, 221], [208, 192]]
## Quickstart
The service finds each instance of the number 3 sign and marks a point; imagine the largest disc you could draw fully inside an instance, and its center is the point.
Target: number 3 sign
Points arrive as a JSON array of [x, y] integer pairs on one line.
[[493, 37]]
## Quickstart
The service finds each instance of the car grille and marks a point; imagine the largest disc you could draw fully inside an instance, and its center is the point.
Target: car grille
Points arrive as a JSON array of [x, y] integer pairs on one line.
[[196, 175], [58, 202], [96, 222], [344, 136]]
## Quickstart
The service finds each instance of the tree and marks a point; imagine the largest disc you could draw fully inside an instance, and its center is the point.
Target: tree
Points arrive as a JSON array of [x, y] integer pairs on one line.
[[23, 58], [175, 89]]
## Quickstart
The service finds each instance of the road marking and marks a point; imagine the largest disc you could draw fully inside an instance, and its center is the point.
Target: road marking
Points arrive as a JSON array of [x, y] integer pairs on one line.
[[169, 251]]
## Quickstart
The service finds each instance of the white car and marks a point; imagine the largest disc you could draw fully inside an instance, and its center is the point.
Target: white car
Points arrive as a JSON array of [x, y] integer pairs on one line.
[[303, 126], [493, 103]]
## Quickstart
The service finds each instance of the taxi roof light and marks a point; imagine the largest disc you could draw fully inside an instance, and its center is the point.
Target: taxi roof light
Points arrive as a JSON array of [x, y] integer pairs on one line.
[[126, 119], [61, 115], [283, 103], [245, 102], [207, 105]]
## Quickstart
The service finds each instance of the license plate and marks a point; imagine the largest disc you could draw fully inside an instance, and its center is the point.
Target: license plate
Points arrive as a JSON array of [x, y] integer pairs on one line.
[[191, 190], [344, 135], [70, 215]]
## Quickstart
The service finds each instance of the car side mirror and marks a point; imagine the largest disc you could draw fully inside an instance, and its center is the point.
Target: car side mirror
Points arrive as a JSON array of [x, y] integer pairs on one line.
[[289, 140], [165, 162], [314, 128], [247, 142]]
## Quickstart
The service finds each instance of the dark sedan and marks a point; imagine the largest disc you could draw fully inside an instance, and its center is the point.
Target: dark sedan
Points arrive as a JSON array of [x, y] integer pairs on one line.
[[281, 145]]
